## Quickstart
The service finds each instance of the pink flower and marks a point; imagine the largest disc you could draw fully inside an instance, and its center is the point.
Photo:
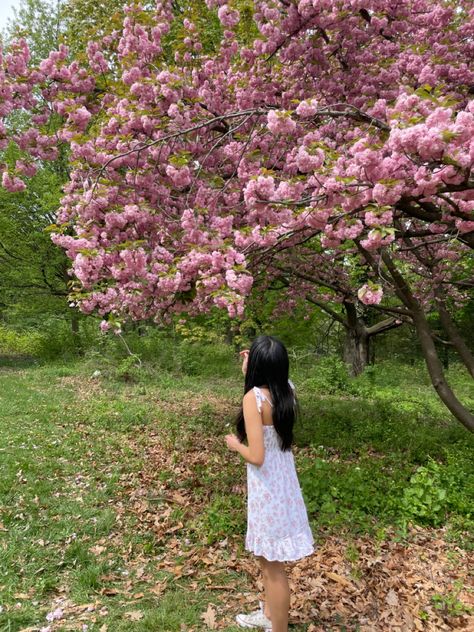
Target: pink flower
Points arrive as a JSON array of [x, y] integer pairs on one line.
[[181, 178], [80, 117], [26, 168], [309, 160], [104, 326], [370, 294], [14, 185], [227, 16], [353, 230], [307, 108], [55, 614], [280, 122], [261, 188]]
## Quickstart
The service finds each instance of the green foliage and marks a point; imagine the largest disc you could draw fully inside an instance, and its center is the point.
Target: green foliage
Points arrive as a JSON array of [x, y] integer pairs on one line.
[[330, 375], [450, 604], [339, 494], [165, 352], [128, 369], [425, 499], [33, 271], [37, 21], [382, 489], [29, 343], [207, 25], [221, 519], [54, 338]]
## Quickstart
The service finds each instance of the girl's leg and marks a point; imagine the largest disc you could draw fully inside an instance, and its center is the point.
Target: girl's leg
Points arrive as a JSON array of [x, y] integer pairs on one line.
[[277, 593], [266, 607]]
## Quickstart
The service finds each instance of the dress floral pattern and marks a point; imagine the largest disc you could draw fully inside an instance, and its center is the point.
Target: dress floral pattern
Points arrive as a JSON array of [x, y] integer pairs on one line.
[[277, 522]]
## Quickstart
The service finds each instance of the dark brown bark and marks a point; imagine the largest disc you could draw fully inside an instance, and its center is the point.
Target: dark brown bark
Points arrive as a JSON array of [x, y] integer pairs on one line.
[[356, 350], [428, 348], [454, 336], [357, 344], [435, 369]]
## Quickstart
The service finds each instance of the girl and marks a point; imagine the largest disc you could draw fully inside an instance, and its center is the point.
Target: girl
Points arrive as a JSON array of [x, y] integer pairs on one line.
[[277, 523]]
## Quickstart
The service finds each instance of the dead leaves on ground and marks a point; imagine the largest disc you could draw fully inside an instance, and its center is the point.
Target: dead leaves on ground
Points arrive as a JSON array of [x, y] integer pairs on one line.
[[421, 585], [209, 617], [391, 587]]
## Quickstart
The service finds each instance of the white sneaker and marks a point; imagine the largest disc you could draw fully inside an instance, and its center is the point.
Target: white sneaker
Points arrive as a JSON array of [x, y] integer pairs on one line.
[[254, 620]]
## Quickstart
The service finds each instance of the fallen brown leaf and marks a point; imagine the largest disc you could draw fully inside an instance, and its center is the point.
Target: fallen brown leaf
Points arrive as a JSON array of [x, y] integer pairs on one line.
[[134, 615], [209, 617], [392, 598]]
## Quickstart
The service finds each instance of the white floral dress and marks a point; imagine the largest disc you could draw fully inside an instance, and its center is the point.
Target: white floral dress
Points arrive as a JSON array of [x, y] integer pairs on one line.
[[277, 522]]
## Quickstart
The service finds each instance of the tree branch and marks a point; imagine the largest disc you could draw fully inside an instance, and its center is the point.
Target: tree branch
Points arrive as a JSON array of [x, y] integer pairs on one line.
[[384, 325]]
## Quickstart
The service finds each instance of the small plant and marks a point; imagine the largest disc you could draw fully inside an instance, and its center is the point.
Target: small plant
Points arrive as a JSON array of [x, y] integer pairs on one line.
[[128, 369], [353, 556], [450, 604], [425, 499], [330, 377]]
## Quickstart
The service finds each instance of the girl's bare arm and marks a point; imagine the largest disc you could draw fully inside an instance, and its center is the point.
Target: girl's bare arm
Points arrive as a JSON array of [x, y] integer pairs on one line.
[[255, 451]]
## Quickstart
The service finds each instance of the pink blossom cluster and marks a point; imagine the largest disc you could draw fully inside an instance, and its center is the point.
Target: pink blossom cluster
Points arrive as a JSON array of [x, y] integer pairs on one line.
[[309, 160], [181, 178], [188, 176], [307, 108], [370, 294], [12, 184], [228, 17], [280, 122]]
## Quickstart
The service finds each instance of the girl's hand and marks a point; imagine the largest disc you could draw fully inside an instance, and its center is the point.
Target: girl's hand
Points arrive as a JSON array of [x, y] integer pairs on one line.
[[233, 442], [245, 359]]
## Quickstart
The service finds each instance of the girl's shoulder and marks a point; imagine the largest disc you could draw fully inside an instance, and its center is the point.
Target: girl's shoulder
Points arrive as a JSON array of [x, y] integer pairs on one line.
[[254, 393], [257, 396], [250, 395]]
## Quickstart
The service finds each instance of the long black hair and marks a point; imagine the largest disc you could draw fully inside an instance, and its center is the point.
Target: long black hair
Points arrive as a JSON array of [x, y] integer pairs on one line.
[[268, 365]]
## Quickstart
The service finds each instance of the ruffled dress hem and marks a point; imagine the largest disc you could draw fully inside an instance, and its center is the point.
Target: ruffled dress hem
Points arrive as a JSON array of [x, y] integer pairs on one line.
[[289, 549]]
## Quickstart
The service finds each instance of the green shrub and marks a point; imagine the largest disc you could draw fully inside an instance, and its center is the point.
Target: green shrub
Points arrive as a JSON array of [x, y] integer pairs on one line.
[[128, 369], [350, 495], [329, 376], [387, 489], [425, 499], [29, 342]]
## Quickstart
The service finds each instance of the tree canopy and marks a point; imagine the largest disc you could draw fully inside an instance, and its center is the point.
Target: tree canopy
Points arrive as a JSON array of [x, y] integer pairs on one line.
[[212, 145]]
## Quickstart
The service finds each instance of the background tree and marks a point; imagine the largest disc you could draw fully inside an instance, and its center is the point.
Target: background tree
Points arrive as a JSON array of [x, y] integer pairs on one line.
[[349, 126]]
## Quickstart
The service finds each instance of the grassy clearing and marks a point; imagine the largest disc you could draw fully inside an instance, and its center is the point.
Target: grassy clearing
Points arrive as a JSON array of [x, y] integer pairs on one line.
[[120, 506]]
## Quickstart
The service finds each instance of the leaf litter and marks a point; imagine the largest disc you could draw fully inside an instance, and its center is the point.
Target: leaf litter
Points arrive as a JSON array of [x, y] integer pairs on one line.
[[392, 587]]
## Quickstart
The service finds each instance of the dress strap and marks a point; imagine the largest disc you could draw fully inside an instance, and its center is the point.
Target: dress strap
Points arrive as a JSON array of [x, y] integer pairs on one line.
[[260, 397]]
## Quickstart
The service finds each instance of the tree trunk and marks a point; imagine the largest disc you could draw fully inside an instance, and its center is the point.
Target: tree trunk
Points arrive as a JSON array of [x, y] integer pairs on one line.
[[75, 324], [435, 369], [356, 349], [454, 336], [433, 363], [359, 337]]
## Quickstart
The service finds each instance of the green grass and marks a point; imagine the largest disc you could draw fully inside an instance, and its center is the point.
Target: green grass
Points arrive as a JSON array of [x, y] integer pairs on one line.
[[69, 447]]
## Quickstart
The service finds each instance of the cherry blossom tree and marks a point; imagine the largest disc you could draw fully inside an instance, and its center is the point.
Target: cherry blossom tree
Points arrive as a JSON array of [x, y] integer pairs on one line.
[[346, 126], [331, 282]]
